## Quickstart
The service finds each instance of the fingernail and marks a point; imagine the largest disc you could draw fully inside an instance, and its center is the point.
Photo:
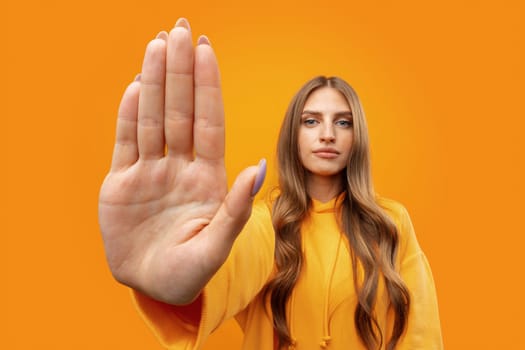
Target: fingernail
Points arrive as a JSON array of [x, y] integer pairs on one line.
[[203, 39], [162, 35], [259, 178], [137, 77], [183, 22]]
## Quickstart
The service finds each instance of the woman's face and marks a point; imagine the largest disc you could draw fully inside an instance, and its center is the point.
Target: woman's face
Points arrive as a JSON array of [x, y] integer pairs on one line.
[[326, 133]]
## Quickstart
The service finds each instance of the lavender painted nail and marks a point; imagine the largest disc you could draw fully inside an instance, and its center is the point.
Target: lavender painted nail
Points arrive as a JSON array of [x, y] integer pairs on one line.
[[203, 40], [259, 178], [183, 22]]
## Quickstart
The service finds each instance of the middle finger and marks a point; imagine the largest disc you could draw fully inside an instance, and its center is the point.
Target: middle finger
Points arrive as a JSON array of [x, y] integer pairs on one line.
[[178, 123]]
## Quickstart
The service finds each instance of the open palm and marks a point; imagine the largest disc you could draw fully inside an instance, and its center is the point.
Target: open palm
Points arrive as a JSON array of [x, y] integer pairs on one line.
[[167, 219]]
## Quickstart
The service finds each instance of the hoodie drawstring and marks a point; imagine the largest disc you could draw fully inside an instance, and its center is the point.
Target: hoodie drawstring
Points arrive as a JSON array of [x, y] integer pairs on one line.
[[326, 324]]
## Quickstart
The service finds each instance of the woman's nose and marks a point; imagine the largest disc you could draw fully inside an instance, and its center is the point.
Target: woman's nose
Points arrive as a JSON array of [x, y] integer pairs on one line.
[[327, 134]]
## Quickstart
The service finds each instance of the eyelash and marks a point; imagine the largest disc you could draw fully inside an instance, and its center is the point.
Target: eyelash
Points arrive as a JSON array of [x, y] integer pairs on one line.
[[309, 121], [347, 123]]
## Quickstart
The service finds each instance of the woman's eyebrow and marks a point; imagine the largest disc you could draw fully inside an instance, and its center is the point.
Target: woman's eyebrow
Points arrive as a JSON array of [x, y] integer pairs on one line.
[[338, 114], [344, 114]]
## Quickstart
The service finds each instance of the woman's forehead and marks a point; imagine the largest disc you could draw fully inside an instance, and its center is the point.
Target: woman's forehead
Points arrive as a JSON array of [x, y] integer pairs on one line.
[[326, 100]]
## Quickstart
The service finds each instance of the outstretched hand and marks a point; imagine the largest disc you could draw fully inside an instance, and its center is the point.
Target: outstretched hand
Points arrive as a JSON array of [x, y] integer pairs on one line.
[[167, 219]]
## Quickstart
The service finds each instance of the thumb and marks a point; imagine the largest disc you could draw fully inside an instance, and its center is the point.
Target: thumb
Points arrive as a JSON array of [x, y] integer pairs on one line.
[[237, 206]]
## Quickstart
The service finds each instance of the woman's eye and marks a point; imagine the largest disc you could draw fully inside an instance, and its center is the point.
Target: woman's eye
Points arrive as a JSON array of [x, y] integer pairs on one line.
[[309, 122], [344, 123]]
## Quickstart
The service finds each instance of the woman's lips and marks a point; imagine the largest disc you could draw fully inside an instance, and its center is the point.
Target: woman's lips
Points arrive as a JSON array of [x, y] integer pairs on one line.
[[326, 153]]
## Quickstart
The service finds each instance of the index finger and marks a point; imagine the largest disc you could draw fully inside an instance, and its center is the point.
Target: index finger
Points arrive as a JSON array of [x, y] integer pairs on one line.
[[208, 127]]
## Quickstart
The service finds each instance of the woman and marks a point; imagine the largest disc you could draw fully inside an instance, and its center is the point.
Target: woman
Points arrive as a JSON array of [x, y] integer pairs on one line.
[[322, 263]]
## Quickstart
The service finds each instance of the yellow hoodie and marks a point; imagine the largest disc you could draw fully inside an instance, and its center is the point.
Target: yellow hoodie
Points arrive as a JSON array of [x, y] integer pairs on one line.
[[320, 311]]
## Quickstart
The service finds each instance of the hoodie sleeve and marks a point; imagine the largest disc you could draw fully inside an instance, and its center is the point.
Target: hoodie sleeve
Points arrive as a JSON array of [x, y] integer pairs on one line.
[[424, 330], [230, 290]]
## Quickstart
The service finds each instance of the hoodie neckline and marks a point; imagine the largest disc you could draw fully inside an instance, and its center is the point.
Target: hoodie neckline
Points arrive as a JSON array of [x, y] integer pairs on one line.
[[328, 207]]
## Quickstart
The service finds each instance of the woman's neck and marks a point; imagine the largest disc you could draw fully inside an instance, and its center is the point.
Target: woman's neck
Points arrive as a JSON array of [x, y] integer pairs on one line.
[[323, 188]]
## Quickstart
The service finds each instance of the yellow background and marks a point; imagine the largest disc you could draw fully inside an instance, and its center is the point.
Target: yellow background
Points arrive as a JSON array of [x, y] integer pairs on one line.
[[442, 86]]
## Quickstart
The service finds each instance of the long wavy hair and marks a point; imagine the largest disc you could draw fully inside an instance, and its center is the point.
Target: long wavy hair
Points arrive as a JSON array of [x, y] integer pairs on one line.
[[372, 235]]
